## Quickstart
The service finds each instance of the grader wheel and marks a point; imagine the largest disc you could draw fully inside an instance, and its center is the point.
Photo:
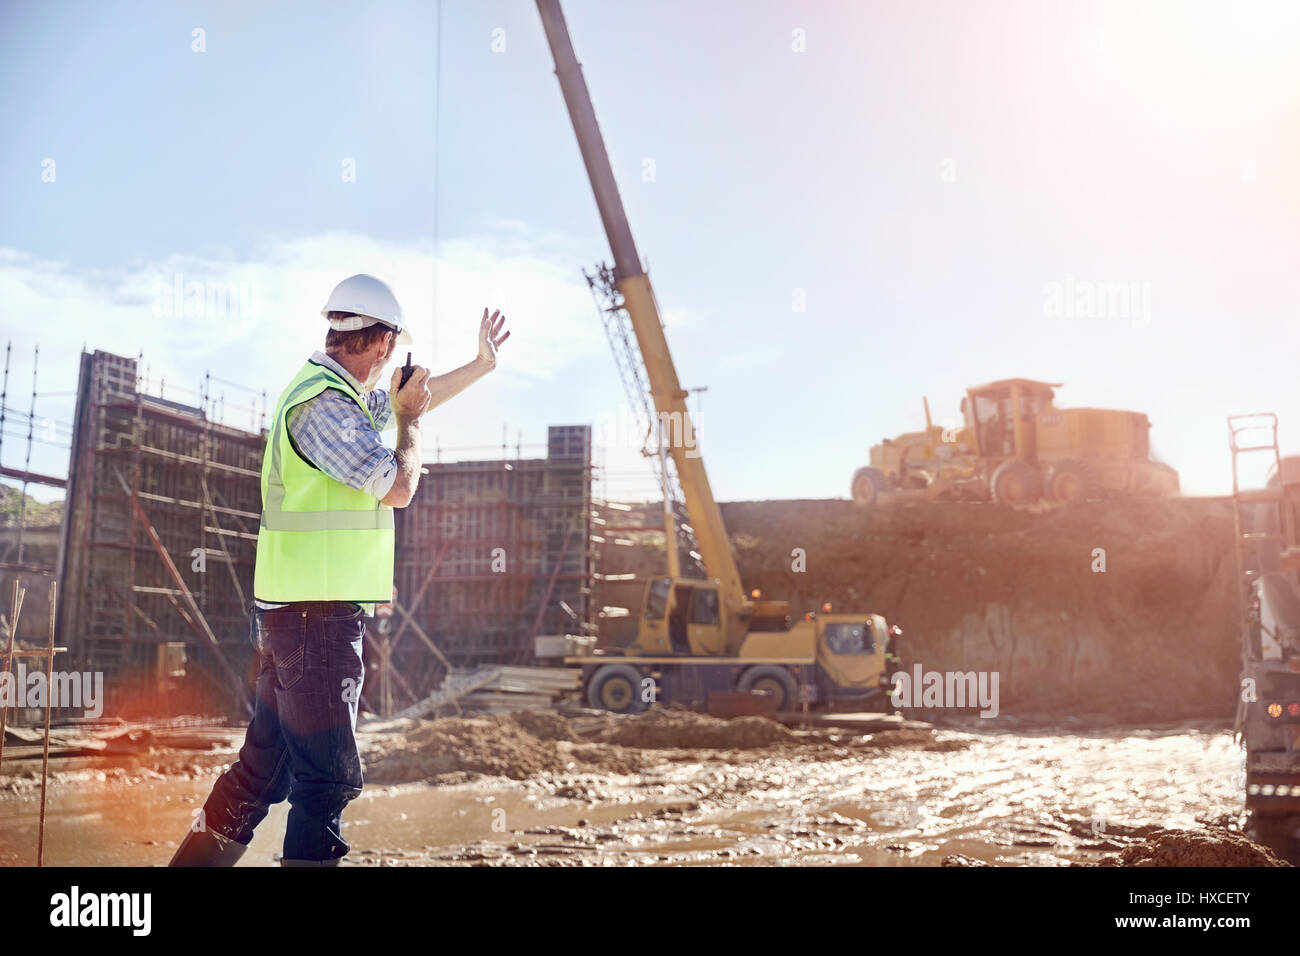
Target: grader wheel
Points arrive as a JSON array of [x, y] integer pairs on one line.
[[1016, 483]]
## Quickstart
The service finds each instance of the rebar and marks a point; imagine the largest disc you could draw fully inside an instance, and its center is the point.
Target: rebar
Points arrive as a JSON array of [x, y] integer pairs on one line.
[[49, 702], [15, 608]]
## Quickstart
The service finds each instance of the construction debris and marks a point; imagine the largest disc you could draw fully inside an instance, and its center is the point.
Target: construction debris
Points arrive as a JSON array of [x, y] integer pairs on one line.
[[109, 737]]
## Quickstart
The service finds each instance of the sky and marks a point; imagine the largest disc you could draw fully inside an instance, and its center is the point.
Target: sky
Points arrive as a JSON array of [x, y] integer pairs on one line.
[[844, 205]]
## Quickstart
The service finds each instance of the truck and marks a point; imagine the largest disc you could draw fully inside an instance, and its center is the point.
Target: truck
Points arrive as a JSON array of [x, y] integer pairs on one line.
[[697, 634], [1015, 446], [1267, 522]]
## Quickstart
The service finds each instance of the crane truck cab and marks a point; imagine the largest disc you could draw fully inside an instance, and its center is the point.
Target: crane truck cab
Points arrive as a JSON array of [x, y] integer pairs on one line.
[[690, 642]]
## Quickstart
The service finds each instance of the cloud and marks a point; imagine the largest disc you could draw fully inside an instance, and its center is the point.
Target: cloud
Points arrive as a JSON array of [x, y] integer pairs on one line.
[[683, 318], [253, 317], [252, 320]]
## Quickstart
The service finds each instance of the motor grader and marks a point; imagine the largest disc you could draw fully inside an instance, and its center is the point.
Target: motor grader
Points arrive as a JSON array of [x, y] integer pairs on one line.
[[1015, 446]]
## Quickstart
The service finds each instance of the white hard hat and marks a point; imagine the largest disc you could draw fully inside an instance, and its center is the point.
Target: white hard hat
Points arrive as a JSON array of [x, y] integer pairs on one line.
[[370, 301]]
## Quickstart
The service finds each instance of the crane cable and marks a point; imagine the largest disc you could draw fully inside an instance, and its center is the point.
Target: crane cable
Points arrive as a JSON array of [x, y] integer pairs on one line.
[[437, 169]]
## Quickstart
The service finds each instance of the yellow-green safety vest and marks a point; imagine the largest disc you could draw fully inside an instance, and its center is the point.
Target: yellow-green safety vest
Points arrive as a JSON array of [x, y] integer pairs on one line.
[[319, 539]]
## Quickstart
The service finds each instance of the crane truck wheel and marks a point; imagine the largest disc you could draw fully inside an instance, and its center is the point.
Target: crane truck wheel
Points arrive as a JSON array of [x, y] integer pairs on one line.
[[1072, 481], [868, 483], [616, 688], [1016, 482], [773, 679]]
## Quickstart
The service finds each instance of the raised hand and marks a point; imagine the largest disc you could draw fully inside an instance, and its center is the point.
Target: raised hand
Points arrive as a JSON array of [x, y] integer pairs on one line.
[[490, 336]]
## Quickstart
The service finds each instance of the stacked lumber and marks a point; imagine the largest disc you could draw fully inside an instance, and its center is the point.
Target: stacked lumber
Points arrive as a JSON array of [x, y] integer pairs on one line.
[[490, 689], [453, 687], [522, 688]]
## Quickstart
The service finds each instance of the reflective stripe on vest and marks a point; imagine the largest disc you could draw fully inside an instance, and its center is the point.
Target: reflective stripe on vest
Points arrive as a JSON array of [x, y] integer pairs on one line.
[[327, 520], [332, 542]]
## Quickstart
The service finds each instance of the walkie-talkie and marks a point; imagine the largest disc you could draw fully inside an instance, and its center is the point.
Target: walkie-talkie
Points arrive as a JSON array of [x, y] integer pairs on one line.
[[407, 369]]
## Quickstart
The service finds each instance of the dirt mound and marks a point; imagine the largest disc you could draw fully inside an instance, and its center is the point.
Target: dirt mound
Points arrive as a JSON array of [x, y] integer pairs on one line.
[[673, 727], [529, 743], [517, 746], [1195, 848], [542, 724], [1023, 593], [911, 740]]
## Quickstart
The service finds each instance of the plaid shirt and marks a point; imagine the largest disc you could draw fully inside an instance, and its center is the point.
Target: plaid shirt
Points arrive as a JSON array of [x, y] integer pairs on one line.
[[330, 432]]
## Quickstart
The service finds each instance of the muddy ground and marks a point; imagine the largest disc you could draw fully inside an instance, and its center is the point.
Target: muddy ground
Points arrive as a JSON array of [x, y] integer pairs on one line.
[[676, 788], [1112, 626]]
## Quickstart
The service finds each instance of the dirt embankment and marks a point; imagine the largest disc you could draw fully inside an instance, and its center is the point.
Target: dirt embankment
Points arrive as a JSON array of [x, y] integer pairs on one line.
[[1023, 593]]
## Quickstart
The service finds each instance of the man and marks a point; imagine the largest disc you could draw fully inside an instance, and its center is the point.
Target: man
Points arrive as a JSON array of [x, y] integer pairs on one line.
[[324, 559]]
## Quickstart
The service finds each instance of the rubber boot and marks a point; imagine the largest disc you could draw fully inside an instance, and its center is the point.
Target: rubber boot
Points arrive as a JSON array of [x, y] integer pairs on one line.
[[207, 848], [284, 862]]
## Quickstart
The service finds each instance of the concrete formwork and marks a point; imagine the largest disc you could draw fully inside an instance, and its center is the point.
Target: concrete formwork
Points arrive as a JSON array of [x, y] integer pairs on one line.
[[488, 555]]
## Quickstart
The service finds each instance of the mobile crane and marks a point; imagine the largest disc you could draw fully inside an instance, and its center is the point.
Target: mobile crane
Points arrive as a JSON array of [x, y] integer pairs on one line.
[[696, 635]]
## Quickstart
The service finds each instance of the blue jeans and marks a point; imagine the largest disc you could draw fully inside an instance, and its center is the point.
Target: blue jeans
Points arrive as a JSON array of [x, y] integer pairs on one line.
[[301, 743]]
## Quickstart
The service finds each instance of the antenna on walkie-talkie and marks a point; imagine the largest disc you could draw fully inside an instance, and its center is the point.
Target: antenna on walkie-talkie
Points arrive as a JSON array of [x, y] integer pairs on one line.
[[406, 370]]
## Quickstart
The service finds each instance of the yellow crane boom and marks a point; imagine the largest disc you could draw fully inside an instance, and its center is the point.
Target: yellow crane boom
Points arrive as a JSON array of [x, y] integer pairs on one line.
[[639, 301]]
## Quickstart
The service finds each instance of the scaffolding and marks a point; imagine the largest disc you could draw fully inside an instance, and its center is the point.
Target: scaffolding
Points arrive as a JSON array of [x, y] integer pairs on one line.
[[29, 543], [159, 536]]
